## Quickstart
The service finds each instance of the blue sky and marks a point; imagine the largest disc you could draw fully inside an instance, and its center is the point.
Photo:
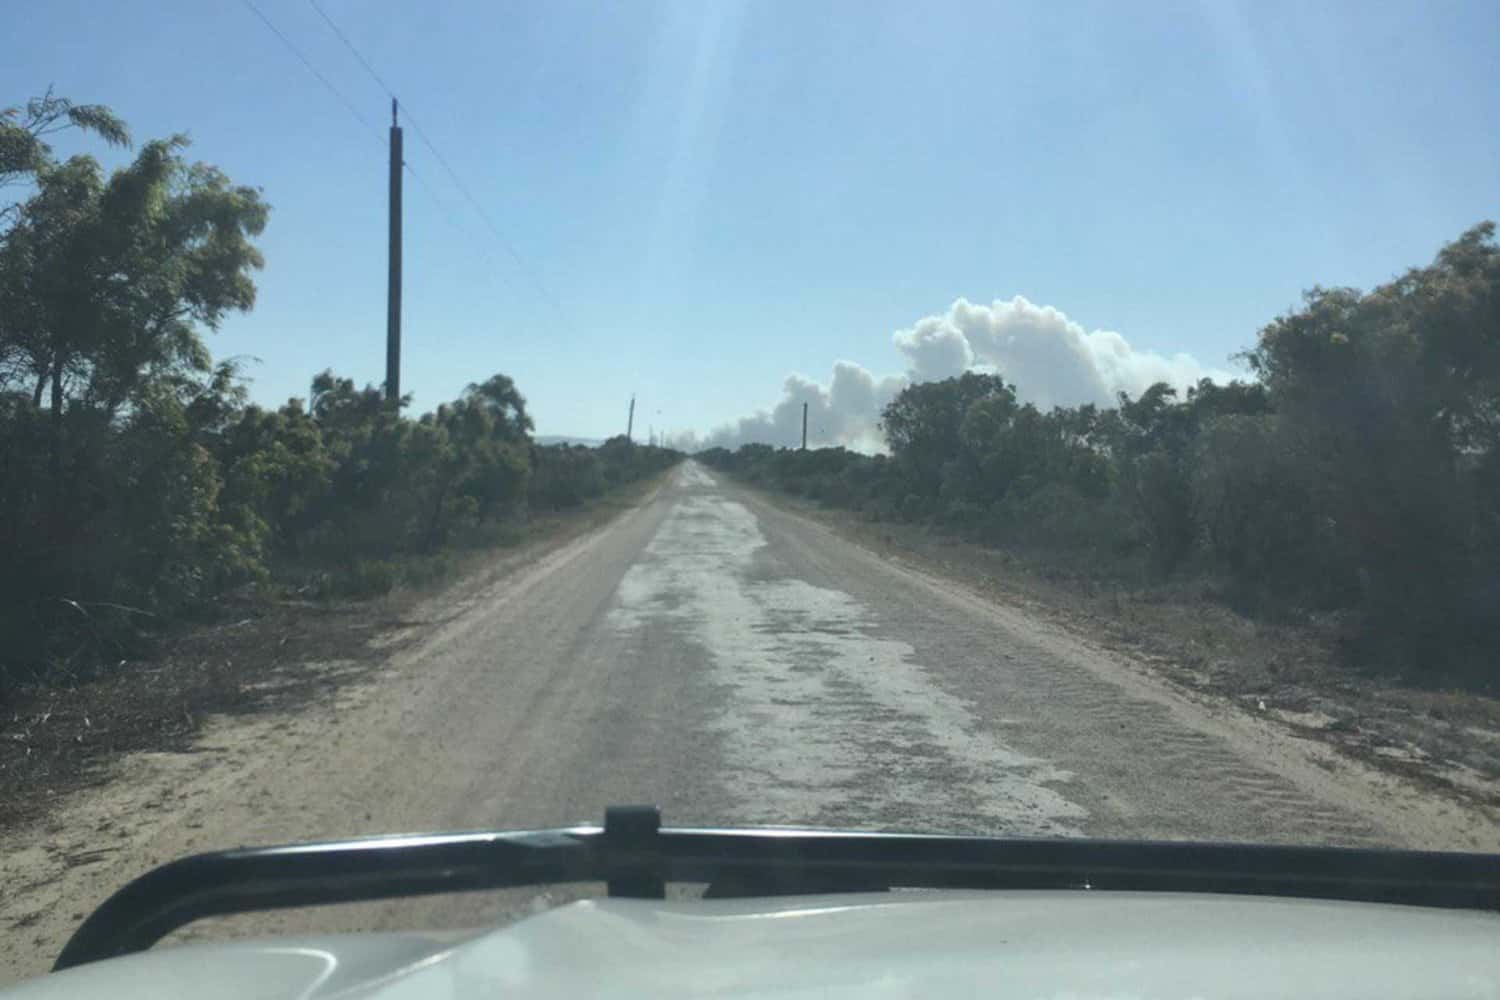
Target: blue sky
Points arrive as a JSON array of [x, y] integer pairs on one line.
[[706, 197]]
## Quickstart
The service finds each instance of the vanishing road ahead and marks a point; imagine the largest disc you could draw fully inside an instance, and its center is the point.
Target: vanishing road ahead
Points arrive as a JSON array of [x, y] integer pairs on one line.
[[735, 663]]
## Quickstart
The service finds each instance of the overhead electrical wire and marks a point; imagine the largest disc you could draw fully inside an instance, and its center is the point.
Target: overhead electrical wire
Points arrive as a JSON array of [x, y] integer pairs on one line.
[[352, 48], [451, 217], [540, 287], [443, 209], [307, 63]]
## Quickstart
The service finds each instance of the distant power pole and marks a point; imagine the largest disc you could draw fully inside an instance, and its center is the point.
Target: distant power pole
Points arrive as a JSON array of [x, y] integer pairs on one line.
[[630, 421], [804, 426], [393, 279]]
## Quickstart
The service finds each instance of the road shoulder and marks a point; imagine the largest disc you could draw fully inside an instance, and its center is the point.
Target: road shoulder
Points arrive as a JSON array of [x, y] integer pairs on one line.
[[1373, 765]]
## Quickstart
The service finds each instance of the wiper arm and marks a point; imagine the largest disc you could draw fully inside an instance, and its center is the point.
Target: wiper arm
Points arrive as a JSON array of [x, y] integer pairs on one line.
[[248, 880], [637, 858]]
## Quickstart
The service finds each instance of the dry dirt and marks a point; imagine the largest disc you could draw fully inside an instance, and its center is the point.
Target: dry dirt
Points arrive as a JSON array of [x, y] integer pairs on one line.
[[258, 657], [735, 661], [1287, 673]]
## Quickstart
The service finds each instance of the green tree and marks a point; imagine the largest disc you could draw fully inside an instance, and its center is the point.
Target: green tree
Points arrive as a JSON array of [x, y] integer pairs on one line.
[[364, 438], [25, 131], [503, 402], [113, 279], [491, 428], [564, 476], [1390, 400], [923, 424], [106, 284], [277, 475]]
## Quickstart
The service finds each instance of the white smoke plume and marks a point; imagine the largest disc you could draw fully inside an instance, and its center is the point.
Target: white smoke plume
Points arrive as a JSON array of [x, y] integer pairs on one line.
[[844, 412], [1052, 361]]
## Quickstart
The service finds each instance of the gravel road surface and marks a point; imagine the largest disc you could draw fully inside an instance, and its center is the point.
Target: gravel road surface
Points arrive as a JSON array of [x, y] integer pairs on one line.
[[737, 664]]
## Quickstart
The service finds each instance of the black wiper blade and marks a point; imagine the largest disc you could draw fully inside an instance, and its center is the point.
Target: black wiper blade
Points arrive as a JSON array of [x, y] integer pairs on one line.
[[1445, 879], [248, 880], [637, 858]]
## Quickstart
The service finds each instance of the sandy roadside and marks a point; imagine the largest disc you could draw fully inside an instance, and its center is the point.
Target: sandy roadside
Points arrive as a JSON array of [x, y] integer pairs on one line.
[[315, 770], [1397, 763], [438, 736]]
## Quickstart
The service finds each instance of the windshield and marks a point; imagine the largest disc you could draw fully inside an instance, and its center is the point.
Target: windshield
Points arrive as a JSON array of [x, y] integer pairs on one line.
[[1023, 421]]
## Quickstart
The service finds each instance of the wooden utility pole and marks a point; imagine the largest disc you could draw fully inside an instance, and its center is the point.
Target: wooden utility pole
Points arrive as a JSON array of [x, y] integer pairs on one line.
[[393, 278], [630, 421], [804, 426]]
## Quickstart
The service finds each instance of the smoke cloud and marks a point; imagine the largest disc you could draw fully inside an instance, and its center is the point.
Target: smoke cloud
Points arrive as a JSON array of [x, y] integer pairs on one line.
[[1051, 359], [845, 412]]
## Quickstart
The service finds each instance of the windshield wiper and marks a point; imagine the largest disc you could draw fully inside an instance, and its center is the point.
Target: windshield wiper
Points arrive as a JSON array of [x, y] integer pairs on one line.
[[637, 858]]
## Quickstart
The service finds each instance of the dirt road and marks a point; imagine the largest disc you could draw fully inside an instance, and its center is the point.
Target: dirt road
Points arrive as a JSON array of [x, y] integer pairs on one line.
[[735, 663]]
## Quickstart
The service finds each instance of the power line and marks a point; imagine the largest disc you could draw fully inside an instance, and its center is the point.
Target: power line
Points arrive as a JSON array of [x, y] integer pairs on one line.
[[442, 206], [452, 219], [350, 46], [489, 222], [348, 104], [442, 160]]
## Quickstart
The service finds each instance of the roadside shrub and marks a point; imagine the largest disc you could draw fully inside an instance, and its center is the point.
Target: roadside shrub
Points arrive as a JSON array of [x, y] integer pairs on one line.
[[914, 507], [881, 508], [366, 578], [962, 515], [1161, 494], [1358, 472], [564, 476], [425, 571], [1259, 514], [836, 492], [1056, 516]]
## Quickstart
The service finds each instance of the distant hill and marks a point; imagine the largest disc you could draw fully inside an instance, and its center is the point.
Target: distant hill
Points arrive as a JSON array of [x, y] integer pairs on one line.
[[546, 439]]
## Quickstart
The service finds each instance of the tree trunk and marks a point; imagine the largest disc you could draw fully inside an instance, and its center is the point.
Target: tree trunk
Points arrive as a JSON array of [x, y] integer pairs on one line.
[[435, 526], [59, 497]]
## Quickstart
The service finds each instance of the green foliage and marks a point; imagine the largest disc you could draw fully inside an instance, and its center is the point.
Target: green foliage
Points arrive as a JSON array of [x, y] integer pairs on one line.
[[1256, 502], [111, 498], [1157, 486], [1058, 518], [1361, 472], [367, 578], [24, 131], [568, 475], [1391, 402], [564, 476], [923, 424], [136, 482]]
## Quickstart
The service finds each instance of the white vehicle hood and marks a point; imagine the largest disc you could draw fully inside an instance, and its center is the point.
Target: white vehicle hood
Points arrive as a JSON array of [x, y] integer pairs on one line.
[[903, 944]]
